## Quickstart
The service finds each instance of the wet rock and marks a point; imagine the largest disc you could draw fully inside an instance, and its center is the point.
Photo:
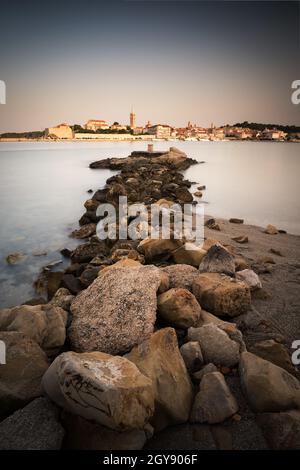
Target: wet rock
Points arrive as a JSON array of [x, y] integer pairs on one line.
[[66, 252], [109, 390], [85, 231], [236, 221], [44, 324], [87, 435], [214, 403], [271, 230], [20, 377], [268, 387], [88, 251], [216, 345], [159, 359], [34, 427], [72, 283], [281, 430], [89, 275], [179, 308], [181, 275], [62, 298], [192, 355], [250, 278], [116, 311], [221, 294], [217, 260], [48, 283], [15, 258], [198, 194]]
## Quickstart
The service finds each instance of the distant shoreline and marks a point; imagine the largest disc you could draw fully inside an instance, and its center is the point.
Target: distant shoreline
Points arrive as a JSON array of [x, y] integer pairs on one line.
[[24, 139]]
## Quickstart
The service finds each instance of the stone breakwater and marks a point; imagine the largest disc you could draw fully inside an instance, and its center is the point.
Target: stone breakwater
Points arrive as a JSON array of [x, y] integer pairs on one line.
[[145, 343]]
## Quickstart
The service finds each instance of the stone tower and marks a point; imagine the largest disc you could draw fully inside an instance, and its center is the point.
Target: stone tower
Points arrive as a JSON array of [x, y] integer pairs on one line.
[[132, 119]]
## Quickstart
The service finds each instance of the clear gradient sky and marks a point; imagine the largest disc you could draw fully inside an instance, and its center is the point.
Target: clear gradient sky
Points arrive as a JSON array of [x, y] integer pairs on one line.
[[174, 61]]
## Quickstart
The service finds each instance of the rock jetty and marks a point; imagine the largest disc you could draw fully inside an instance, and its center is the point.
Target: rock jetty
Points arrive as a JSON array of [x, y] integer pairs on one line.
[[145, 342]]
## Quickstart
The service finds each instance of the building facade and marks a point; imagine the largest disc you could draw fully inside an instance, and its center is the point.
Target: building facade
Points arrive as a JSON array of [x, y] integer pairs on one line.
[[95, 124], [62, 131]]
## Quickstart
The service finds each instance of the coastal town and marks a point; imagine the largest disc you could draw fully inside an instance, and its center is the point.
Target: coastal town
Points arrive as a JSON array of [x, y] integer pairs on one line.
[[100, 129]]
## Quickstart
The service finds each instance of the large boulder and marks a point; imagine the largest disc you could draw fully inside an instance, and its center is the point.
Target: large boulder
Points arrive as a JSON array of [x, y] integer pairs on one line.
[[281, 430], [179, 308], [221, 294], [181, 275], [109, 390], [218, 260], [44, 324], [20, 377], [85, 231], [34, 427], [268, 387], [116, 311], [82, 434], [159, 359], [216, 345], [214, 402]]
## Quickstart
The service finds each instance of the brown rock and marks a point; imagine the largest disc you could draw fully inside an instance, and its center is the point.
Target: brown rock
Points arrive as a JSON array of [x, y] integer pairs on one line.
[[221, 294], [160, 360], [181, 275], [281, 430], [179, 308]]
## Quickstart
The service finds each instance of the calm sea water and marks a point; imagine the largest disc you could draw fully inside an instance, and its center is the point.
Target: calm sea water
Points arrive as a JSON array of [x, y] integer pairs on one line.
[[43, 187]]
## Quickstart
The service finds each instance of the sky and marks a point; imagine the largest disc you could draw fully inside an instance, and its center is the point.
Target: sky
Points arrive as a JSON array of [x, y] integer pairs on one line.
[[172, 61]]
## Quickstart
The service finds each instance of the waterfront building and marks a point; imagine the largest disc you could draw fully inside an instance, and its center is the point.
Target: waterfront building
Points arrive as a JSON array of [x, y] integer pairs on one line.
[[160, 131], [62, 131], [95, 124]]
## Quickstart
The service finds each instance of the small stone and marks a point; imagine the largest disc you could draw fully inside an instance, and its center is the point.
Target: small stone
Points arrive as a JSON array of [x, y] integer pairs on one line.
[[275, 252], [179, 308], [236, 221], [192, 355], [241, 239], [250, 278], [197, 376], [15, 258], [271, 230]]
